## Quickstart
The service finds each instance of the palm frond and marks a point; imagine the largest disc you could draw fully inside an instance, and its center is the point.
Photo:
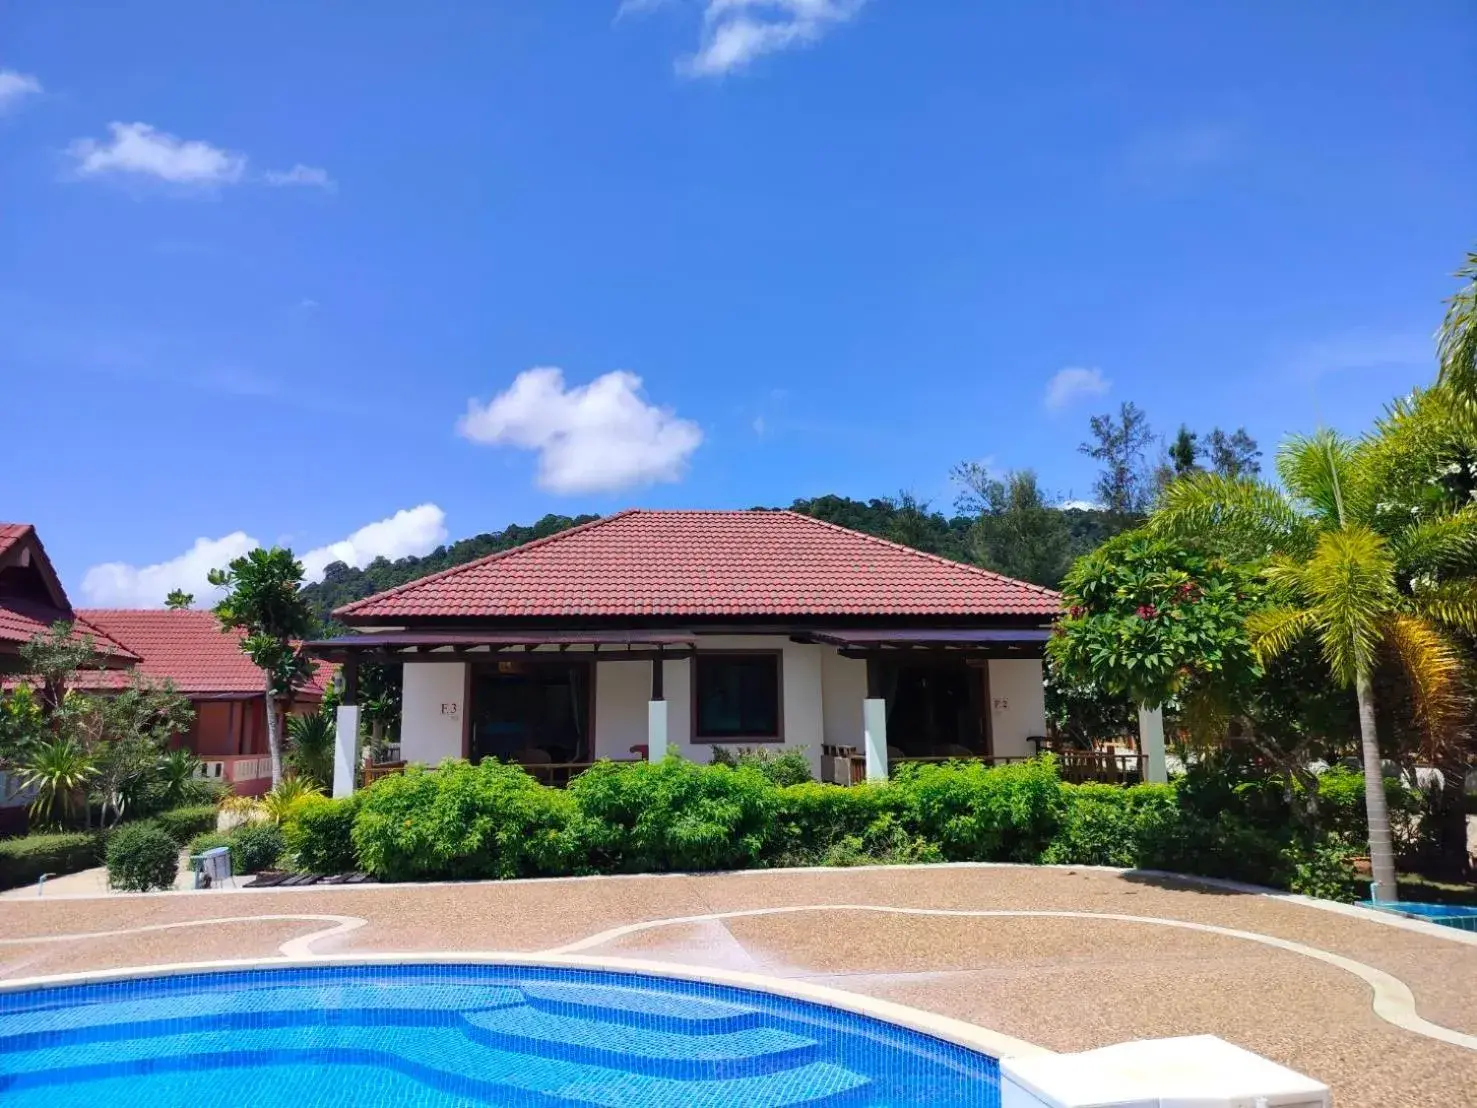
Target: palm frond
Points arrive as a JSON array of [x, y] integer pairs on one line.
[[1456, 344], [1236, 516], [1350, 583], [1445, 543], [1451, 603], [1321, 470], [1433, 668], [1273, 631]]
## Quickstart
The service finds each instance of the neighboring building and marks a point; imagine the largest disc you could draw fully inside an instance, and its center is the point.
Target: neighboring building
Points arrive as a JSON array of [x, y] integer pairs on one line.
[[188, 648], [185, 647], [650, 631]]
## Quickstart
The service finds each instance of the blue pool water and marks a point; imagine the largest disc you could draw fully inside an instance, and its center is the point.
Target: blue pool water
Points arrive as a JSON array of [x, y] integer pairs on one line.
[[1448, 915], [462, 1036]]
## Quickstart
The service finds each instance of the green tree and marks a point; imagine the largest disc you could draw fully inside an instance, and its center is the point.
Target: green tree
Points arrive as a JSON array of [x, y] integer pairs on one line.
[[125, 734], [1347, 574], [1185, 451], [311, 753], [1124, 485], [178, 599], [264, 602], [1233, 455], [1017, 533], [60, 770]]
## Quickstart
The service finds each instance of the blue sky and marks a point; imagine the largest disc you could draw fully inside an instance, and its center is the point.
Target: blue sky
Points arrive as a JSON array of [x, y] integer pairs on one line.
[[280, 271]]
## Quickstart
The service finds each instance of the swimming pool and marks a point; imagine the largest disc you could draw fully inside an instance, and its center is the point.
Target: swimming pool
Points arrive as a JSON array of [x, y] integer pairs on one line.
[[1464, 918], [458, 1036]]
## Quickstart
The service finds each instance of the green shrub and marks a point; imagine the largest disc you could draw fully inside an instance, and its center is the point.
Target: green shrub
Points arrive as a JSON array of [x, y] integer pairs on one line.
[[1224, 846], [780, 767], [1106, 825], [183, 824], [648, 817], [142, 857], [461, 822], [1323, 869], [974, 813], [256, 846], [24, 860], [812, 819], [320, 836], [1341, 809]]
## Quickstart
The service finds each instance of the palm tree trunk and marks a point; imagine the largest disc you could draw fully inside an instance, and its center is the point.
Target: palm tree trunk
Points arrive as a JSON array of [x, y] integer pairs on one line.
[[1381, 850], [274, 735]]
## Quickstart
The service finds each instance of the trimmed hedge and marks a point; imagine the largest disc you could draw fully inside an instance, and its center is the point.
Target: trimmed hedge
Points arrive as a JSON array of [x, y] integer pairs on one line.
[[24, 860], [461, 822], [183, 824]]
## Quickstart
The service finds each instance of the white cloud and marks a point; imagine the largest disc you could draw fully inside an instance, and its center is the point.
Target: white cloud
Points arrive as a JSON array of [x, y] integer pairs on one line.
[[735, 32], [416, 531], [15, 87], [1361, 349], [308, 175], [119, 585], [1074, 383], [1079, 505], [139, 148], [410, 531], [598, 437]]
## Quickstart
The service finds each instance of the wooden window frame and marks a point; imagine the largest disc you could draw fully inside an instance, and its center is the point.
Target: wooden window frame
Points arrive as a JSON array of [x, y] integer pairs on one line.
[[778, 738]]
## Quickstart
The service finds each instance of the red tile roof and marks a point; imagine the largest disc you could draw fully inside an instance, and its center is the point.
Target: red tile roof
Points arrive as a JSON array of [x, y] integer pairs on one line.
[[185, 646], [22, 620], [755, 563], [12, 533]]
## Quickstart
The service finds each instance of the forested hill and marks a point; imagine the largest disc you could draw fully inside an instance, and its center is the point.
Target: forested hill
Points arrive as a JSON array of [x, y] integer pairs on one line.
[[1036, 546]]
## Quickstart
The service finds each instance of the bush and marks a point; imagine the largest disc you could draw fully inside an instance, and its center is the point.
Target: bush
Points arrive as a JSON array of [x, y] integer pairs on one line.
[[813, 819], [255, 847], [1341, 808], [320, 836], [1105, 825], [24, 860], [651, 817], [1324, 870], [142, 857], [780, 767], [183, 824], [463, 822], [974, 813]]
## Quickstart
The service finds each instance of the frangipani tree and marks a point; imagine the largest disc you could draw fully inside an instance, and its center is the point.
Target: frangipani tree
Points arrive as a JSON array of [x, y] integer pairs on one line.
[[1350, 570], [264, 601]]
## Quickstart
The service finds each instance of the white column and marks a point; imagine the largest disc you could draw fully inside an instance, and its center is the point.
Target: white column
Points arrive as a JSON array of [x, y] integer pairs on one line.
[[1151, 743], [346, 749], [656, 730], [874, 737]]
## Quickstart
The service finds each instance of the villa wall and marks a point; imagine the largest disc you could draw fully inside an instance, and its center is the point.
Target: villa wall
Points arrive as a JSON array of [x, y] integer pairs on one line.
[[821, 695], [1017, 704]]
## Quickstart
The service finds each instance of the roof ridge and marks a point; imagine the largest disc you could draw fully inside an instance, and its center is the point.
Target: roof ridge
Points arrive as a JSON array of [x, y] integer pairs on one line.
[[496, 555], [938, 558]]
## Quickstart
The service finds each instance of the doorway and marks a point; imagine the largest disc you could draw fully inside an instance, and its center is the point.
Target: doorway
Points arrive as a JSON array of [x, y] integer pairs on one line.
[[935, 707], [531, 712]]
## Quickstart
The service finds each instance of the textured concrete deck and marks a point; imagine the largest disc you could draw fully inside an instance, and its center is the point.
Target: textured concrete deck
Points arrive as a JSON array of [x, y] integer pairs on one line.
[[1066, 982]]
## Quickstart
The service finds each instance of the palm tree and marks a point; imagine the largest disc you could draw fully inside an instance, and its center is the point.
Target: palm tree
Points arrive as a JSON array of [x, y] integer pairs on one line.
[[1357, 572], [59, 770], [311, 754]]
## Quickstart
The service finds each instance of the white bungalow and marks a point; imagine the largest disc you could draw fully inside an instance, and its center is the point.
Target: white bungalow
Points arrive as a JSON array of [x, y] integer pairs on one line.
[[654, 631]]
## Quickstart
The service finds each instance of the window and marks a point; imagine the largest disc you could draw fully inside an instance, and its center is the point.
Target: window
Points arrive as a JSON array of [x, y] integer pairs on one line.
[[736, 697]]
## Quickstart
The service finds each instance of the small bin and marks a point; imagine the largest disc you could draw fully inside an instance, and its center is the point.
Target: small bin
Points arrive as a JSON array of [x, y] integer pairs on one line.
[[212, 867]]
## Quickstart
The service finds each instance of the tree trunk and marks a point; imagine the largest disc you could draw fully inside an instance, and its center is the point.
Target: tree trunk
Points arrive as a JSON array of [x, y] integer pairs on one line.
[[1381, 849], [274, 735]]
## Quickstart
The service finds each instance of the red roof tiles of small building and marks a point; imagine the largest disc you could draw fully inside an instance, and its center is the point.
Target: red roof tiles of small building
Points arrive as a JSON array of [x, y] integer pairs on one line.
[[12, 533], [698, 563], [24, 616], [186, 647]]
